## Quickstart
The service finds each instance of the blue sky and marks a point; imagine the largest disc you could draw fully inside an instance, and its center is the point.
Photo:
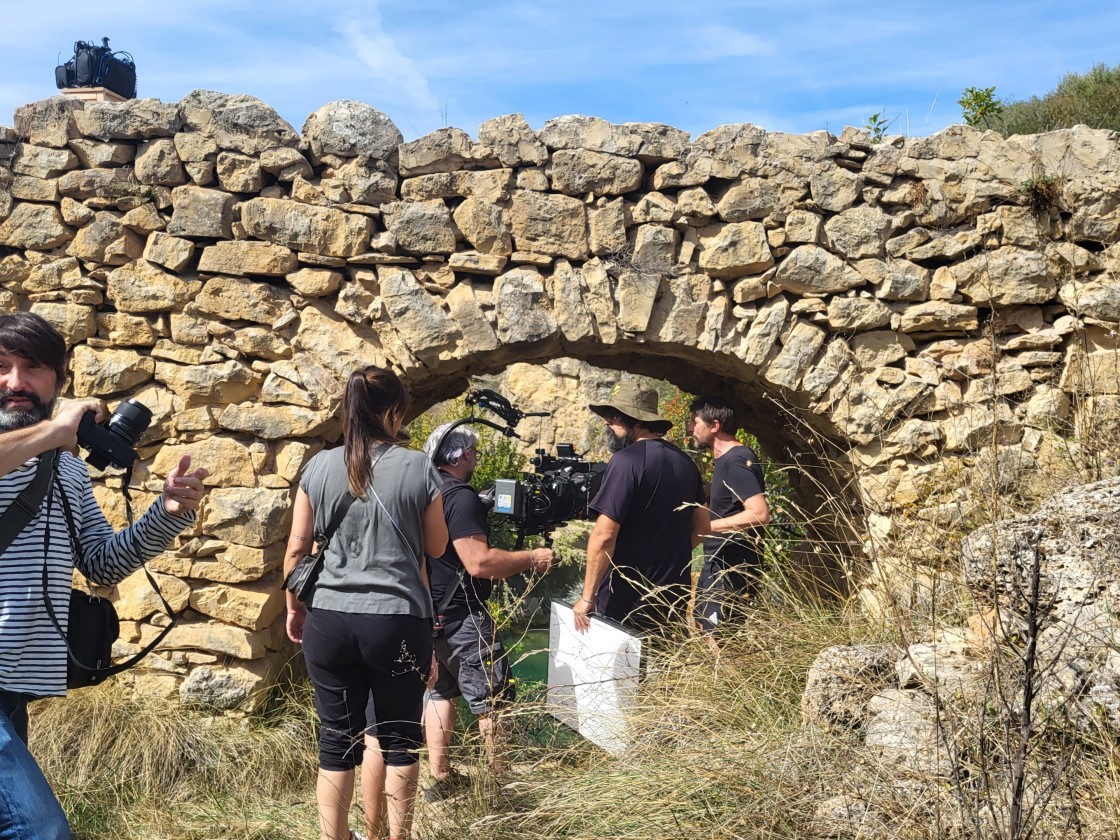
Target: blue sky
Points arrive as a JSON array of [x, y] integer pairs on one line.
[[793, 65]]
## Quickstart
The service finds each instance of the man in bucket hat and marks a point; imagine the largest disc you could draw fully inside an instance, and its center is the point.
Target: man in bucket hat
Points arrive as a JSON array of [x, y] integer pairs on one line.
[[650, 516]]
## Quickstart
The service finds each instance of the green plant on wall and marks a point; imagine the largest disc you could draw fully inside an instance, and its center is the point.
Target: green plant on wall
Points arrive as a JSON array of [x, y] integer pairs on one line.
[[979, 106], [877, 125]]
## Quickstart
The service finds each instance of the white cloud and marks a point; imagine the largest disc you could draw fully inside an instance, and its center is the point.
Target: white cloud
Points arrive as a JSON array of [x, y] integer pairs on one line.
[[399, 76]]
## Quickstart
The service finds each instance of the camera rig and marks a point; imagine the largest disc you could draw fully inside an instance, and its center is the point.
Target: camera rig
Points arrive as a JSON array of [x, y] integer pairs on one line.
[[557, 491]]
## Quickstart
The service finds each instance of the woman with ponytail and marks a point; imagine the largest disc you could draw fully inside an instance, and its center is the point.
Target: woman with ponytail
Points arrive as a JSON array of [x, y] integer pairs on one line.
[[366, 628]]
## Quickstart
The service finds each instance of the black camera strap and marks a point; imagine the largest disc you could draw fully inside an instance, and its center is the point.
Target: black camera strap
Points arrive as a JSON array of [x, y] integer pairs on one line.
[[75, 547], [23, 509]]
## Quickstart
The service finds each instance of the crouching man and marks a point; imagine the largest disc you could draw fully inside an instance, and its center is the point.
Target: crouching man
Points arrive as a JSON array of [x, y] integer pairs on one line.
[[472, 660], [32, 653]]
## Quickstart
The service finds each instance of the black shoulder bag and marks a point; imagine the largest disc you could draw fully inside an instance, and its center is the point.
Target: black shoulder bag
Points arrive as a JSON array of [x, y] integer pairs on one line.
[[92, 621], [300, 581]]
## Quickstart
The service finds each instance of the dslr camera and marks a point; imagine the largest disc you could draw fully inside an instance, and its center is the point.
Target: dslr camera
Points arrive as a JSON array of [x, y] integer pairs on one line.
[[113, 441]]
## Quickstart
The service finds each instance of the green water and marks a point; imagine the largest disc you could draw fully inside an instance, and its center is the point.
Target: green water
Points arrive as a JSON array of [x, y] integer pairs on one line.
[[528, 654]]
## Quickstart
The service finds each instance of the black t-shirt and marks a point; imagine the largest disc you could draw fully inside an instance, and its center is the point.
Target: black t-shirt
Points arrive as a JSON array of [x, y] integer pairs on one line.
[[642, 489], [465, 517], [737, 477]]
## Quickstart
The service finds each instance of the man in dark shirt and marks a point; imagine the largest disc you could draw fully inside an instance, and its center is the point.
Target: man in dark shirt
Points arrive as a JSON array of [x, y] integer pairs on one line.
[[739, 510], [472, 661], [650, 516]]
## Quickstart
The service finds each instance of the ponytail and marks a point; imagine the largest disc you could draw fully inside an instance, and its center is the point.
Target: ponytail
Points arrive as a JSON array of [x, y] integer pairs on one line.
[[371, 397]]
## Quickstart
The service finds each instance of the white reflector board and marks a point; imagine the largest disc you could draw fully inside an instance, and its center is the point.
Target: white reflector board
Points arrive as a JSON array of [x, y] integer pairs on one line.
[[593, 677]]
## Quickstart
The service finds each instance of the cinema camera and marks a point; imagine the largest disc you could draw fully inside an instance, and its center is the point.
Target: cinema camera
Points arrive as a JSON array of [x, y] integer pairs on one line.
[[557, 491], [112, 442]]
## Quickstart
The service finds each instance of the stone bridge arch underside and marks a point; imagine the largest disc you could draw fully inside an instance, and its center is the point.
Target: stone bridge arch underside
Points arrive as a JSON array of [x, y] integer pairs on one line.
[[886, 314]]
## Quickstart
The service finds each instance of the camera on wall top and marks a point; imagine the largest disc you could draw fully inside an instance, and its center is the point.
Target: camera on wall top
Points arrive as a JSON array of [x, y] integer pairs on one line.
[[113, 441]]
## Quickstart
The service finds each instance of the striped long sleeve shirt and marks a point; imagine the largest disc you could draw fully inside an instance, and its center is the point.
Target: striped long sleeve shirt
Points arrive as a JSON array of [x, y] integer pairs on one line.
[[32, 654]]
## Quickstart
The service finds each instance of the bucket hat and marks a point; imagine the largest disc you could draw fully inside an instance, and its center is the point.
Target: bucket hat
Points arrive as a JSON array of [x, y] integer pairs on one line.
[[636, 401]]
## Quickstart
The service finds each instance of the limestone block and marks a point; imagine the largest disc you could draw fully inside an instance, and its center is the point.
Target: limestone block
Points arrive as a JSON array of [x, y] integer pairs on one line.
[[275, 422], [566, 290], [215, 637], [799, 347], [973, 427], [576, 131], [835, 360], [35, 226], [859, 232], [158, 163], [764, 330], [125, 330], [937, 315], [549, 224], [135, 119], [254, 517], [276, 389], [93, 154], [879, 348], [253, 605], [26, 188], [349, 128], [857, 314], [49, 122], [896, 279], [226, 459], [655, 249], [811, 270], [50, 276], [336, 345], [317, 230], [196, 148], [247, 258], [198, 384], [136, 600], [98, 373], [579, 171], [315, 282], [636, 292], [803, 227], [485, 226], [1009, 378], [104, 185], [41, 161], [841, 681], [422, 227], [753, 198], [443, 150], [144, 219], [833, 188], [734, 250], [201, 213], [169, 251], [237, 122], [76, 323], [472, 262], [680, 309], [201, 173], [239, 173], [244, 687], [74, 213], [607, 228], [106, 240], [277, 159], [511, 140], [520, 306], [478, 335], [140, 287], [368, 181], [262, 342], [416, 315], [1005, 277], [1097, 298], [486, 185]]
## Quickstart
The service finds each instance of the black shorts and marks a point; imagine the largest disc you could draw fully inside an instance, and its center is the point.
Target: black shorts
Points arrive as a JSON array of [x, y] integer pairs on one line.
[[473, 664], [723, 593]]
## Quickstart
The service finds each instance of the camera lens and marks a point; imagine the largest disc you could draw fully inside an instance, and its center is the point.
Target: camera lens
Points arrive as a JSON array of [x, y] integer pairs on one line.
[[130, 420]]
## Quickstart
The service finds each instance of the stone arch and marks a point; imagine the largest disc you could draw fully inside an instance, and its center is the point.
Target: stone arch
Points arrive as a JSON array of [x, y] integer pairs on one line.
[[909, 302]]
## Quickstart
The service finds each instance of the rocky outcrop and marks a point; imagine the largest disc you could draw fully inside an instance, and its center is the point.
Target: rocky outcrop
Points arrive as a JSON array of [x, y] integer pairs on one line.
[[903, 299]]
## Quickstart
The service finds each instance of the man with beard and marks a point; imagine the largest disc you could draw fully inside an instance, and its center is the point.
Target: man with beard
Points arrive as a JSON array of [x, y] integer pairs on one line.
[[472, 660], [650, 517], [32, 653], [738, 509]]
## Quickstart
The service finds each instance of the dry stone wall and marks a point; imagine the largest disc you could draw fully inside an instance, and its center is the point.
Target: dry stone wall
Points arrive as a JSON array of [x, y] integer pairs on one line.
[[911, 302]]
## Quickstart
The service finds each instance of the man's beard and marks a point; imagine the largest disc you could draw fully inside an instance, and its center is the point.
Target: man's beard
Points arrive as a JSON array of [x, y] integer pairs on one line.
[[20, 418], [616, 443]]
